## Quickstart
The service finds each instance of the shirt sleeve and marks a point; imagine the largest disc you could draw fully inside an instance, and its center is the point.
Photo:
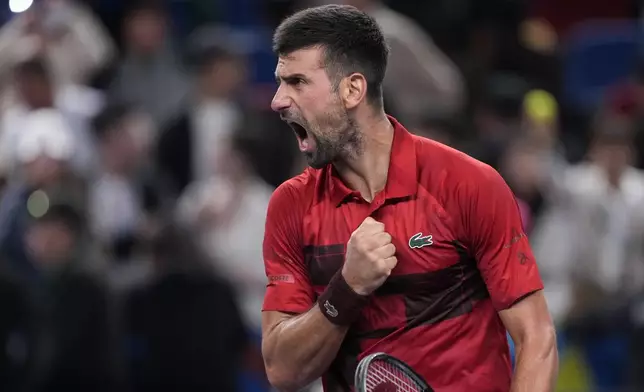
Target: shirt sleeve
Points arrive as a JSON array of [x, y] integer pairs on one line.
[[496, 239], [289, 288]]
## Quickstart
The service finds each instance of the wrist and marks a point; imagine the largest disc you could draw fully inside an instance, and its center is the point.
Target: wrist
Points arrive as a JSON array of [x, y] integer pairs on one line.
[[354, 287], [339, 303]]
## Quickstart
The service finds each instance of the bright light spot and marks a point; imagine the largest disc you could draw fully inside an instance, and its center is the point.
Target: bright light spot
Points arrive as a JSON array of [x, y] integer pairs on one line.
[[38, 204], [18, 6]]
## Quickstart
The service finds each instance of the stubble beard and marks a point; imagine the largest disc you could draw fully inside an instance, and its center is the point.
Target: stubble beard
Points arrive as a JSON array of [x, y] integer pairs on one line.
[[347, 145]]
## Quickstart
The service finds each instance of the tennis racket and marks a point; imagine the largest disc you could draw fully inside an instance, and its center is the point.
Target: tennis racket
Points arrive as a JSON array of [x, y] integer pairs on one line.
[[380, 372]]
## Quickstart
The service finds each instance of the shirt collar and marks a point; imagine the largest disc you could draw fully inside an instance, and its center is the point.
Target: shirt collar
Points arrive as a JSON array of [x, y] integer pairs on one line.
[[402, 175]]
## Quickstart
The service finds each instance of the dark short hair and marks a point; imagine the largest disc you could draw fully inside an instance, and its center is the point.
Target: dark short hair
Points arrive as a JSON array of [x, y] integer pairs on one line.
[[137, 7], [352, 42], [110, 117]]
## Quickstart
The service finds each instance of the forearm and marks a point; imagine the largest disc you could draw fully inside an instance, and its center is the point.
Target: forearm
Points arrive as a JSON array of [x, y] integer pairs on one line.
[[536, 366], [300, 349]]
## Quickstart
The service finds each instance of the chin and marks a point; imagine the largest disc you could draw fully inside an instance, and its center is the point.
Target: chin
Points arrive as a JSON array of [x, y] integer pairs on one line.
[[316, 163]]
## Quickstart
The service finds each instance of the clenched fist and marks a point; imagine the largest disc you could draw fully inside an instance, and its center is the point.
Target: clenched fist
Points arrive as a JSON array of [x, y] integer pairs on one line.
[[369, 257]]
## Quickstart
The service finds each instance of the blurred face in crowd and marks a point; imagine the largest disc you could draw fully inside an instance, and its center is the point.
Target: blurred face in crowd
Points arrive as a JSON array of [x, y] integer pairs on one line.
[[51, 243], [223, 77], [611, 147], [311, 104], [612, 156], [145, 31], [119, 148], [34, 90]]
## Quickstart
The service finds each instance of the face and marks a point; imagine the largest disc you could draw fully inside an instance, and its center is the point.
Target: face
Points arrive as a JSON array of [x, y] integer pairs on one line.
[[613, 157], [223, 77], [35, 91], [119, 150], [317, 112], [146, 31], [50, 243]]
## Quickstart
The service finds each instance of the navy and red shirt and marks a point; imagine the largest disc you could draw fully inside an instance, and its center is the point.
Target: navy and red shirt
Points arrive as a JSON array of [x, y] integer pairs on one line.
[[462, 257]]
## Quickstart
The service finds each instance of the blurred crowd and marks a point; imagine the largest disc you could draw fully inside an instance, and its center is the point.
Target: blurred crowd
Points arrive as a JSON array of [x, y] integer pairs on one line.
[[138, 154]]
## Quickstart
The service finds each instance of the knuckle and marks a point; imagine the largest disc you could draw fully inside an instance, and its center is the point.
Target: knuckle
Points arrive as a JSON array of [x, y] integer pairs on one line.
[[360, 247], [373, 257], [368, 220]]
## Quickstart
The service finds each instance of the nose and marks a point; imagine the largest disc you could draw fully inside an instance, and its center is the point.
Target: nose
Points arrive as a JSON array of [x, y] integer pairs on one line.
[[281, 101]]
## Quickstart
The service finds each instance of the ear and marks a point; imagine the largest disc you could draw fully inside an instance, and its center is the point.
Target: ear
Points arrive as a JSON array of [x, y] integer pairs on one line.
[[353, 90]]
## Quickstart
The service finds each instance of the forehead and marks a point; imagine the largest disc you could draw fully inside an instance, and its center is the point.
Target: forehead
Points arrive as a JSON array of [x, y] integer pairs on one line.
[[303, 61]]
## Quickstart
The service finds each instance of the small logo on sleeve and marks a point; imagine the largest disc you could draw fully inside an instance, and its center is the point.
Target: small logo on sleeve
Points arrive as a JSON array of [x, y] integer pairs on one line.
[[516, 237], [284, 278], [523, 258], [330, 309], [417, 241]]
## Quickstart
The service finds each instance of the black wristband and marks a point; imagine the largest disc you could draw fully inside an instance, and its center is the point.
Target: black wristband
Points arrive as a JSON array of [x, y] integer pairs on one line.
[[339, 303]]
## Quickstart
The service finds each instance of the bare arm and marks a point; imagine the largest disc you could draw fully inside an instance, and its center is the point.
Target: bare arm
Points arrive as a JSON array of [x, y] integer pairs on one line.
[[298, 349], [533, 333]]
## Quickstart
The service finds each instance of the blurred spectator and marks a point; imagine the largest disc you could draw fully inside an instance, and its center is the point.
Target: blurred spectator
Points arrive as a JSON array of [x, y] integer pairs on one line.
[[38, 109], [65, 32], [534, 155], [150, 74], [43, 162], [229, 211], [628, 99], [122, 185], [613, 192], [592, 231], [421, 80], [184, 329], [70, 339], [189, 146]]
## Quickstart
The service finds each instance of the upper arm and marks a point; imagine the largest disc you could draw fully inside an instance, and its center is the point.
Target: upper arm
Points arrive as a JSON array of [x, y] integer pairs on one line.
[[495, 237], [529, 318], [288, 289]]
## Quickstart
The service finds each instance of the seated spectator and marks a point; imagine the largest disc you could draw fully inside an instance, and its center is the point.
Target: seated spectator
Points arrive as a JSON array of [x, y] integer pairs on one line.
[[150, 74], [39, 106], [184, 329], [188, 146], [124, 183], [69, 341]]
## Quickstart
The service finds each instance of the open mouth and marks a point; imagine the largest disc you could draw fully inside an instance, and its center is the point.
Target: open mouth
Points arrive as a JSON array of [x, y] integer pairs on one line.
[[304, 141], [299, 130]]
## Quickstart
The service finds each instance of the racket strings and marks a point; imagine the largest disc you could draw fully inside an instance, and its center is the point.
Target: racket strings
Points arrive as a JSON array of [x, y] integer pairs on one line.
[[385, 377]]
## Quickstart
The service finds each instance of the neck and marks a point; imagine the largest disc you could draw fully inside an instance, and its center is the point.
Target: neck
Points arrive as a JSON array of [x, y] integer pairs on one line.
[[367, 172]]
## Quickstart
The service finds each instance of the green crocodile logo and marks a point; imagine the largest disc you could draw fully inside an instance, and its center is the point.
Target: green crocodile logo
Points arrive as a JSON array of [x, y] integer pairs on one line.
[[417, 241]]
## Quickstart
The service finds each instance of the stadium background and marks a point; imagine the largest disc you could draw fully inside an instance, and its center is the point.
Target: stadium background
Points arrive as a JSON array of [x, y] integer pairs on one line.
[[138, 154]]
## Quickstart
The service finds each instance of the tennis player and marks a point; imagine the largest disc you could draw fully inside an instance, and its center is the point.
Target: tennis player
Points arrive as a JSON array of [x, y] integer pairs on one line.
[[389, 242]]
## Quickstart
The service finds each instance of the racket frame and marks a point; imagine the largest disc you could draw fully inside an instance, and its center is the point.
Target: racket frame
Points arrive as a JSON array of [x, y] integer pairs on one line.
[[363, 365]]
